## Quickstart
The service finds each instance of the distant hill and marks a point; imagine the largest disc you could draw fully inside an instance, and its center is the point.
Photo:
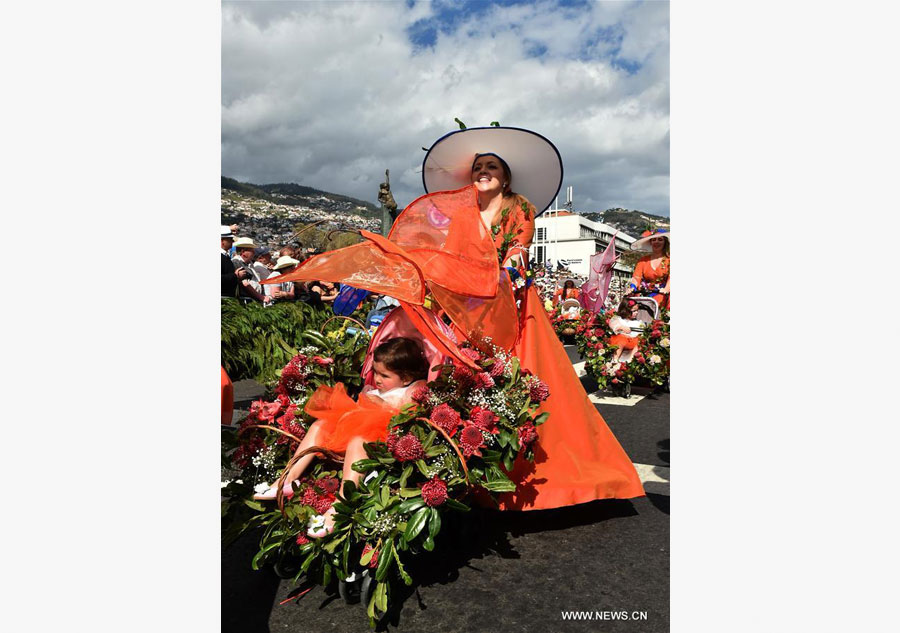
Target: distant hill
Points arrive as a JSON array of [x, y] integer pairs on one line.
[[294, 194], [631, 222]]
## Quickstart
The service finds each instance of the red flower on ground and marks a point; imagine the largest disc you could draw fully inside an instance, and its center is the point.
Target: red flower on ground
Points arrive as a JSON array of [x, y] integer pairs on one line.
[[373, 563], [408, 448], [527, 433], [471, 440], [434, 492], [446, 418], [421, 394], [483, 380], [484, 419]]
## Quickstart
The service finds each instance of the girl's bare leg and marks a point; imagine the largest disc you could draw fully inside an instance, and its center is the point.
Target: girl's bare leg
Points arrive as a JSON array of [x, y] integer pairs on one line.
[[353, 453], [312, 437]]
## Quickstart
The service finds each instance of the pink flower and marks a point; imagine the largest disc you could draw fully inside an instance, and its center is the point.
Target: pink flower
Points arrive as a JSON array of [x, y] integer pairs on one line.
[[472, 354], [483, 380], [265, 411], [446, 418], [408, 448], [434, 492], [484, 419], [421, 394], [497, 368], [527, 433], [309, 497], [318, 360], [301, 539], [538, 391]]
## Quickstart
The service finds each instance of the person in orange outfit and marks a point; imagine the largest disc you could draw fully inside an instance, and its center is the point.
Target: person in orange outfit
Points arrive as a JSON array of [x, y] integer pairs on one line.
[[568, 291], [653, 269], [577, 458]]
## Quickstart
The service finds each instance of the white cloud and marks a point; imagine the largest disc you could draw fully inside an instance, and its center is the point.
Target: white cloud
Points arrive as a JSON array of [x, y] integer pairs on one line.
[[331, 94]]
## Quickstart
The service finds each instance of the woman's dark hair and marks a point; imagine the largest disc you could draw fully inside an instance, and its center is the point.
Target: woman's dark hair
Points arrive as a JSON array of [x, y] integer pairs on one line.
[[403, 356], [569, 281]]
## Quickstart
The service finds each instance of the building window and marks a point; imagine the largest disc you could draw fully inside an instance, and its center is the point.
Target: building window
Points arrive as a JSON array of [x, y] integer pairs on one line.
[[541, 235]]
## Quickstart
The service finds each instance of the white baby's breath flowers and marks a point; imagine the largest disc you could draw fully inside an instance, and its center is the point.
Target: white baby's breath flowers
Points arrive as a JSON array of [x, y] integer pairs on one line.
[[260, 488]]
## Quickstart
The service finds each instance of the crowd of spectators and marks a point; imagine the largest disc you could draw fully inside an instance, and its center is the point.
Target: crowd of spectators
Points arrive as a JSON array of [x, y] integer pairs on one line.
[[245, 265]]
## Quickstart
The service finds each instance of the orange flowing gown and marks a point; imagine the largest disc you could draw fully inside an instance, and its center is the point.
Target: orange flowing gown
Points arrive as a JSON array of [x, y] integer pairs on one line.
[[577, 457]]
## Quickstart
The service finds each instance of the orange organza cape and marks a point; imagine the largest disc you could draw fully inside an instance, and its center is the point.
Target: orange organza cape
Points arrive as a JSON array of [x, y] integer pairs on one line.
[[342, 418]]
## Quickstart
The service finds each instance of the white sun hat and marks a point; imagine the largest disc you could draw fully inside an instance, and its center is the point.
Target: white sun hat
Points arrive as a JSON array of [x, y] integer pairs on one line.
[[285, 261], [643, 243], [244, 242], [534, 162]]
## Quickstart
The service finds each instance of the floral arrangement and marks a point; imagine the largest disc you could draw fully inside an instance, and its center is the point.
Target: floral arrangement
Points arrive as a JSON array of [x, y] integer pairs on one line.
[[463, 432], [649, 364], [565, 323]]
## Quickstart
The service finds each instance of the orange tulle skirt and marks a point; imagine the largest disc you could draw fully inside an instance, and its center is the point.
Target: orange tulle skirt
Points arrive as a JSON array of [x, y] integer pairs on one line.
[[342, 418], [624, 341], [577, 458]]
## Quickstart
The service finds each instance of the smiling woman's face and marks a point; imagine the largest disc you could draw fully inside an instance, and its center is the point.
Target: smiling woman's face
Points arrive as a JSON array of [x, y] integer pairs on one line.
[[488, 174]]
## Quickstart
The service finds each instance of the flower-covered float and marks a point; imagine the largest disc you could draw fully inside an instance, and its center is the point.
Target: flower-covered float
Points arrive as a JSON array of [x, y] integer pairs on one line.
[[596, 343]]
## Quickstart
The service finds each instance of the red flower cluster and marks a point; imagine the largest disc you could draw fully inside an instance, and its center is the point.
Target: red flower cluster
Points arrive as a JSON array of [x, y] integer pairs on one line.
[[293, 379], [434, 492], [290, 424], [446, 418], [246, 451], [317, 496], [373, 563], [301, 539], [329, 484], [474, 354], [263, 411], [484, 419], [471, 440], [408, 448], [527, 433]]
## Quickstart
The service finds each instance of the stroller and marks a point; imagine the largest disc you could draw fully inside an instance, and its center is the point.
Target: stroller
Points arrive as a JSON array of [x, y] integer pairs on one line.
[[648, 310]]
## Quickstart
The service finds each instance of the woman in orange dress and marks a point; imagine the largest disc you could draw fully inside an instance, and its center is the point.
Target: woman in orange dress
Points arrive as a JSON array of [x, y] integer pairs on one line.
[[652, 271], [577, 458], [568, 291]]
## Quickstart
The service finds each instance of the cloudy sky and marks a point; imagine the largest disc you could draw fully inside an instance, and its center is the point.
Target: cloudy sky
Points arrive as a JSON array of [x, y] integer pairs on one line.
[[330, 94]]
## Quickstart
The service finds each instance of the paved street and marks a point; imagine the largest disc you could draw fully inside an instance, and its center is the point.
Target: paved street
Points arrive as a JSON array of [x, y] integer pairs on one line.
[[508, 571]]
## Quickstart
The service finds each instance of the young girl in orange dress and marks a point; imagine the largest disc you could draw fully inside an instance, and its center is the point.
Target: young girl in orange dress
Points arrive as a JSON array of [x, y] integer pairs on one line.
[[653, 269], [623, 326], [343, 426]]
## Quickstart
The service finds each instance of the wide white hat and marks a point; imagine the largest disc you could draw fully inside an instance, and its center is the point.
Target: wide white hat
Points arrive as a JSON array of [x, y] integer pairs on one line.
[[226, 231], [534, 161], [643, 243], [244, 242], [285, 262]]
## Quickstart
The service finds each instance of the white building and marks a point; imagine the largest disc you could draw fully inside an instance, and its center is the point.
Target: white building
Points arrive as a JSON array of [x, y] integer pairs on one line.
[[572, 239]]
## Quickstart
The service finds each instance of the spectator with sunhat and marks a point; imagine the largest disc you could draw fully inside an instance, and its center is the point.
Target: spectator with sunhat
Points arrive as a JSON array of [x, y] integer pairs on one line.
[[248, 284], [283, 291]]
